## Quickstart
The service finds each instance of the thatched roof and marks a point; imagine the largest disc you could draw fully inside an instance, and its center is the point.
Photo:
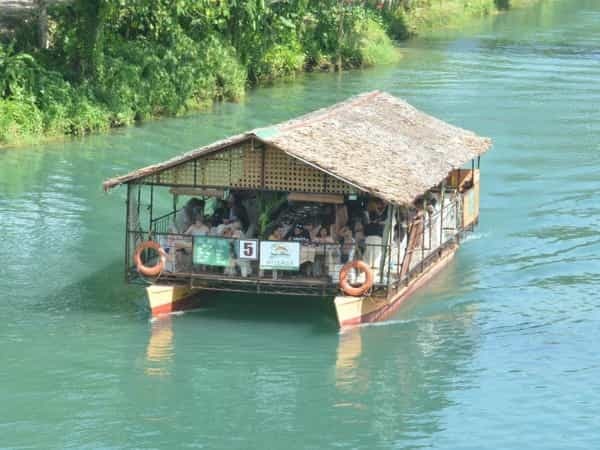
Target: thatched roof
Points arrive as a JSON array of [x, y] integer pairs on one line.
[[374, 141]]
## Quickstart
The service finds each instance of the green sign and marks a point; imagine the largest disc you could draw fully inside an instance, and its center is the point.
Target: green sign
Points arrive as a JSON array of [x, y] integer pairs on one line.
[[212, 251]]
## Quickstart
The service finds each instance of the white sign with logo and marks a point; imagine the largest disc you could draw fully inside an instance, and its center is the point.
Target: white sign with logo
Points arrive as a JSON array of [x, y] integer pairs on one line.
[[248, 249], [279, 255]]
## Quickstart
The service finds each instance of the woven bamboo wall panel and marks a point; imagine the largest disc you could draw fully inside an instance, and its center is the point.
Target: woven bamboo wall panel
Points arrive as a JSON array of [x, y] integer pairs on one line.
[[282, 172], [180, 175], [237, 167], [214, 170], [250, 175], [241, 167], [335, 186]]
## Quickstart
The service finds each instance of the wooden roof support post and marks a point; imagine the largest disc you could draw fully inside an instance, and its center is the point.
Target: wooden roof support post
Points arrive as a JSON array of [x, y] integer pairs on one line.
[[388, 229], [150, 207], [442, 194], [398, 221], [423, 235], [390, 241], [126, 265]]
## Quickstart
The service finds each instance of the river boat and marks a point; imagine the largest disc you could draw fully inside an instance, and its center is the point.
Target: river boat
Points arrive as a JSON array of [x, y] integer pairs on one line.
[[360, 203]]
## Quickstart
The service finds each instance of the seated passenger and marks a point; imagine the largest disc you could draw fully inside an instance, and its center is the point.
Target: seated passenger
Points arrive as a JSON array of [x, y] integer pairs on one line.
[[359, 233], [236, 213], [236, 230], [230, 269], [185, 217], [198, 228], [277, 234], [374, 235], [348, 244], [217, 225], [341, 220], [298, 234], [326, 255], [323, 236], [359, 238]]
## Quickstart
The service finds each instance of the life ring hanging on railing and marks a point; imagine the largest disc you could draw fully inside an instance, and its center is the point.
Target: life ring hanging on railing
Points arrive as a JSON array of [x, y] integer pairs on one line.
[[154, 270], [356, 291]]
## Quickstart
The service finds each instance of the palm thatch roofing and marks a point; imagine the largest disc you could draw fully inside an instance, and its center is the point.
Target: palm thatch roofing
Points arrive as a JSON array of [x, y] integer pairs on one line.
[[376, 142]]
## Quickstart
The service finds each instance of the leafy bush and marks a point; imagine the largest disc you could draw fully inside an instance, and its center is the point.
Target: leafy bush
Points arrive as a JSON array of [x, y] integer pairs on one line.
[[375, 46], [19, 120], [87, 116], [280, 61], [223, 76], [424, 16]]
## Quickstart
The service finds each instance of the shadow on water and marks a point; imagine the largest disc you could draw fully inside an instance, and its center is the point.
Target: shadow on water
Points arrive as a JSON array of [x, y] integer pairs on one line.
[[269, 308], [103, 291]]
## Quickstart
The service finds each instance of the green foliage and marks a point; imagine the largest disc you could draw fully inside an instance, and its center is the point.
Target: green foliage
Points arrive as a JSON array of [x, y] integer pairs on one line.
[[502, 4], [268, 203], [373, 46], [114, 62], [19, 120], [280, 61], [416, 17], [36, 100]]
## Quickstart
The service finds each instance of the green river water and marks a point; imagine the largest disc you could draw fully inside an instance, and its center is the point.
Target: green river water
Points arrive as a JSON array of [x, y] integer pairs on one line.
[[499, 352]]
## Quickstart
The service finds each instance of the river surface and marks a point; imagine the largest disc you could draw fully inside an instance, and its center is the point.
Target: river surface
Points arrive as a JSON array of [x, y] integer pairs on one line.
[[501, 351]]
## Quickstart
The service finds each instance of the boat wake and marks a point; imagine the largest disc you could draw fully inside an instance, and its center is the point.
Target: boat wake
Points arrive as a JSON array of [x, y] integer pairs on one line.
[[384, 323], [474, 237]]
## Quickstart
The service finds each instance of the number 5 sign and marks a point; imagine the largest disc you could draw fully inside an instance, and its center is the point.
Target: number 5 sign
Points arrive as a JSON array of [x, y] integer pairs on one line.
[[248, 249]]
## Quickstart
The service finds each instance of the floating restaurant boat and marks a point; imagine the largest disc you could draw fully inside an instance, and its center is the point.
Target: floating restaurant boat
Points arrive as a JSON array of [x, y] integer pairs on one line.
[[360, 203]]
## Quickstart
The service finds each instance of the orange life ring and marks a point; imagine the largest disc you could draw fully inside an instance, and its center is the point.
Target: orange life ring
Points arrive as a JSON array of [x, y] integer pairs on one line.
[[356, 291], [156, 269]]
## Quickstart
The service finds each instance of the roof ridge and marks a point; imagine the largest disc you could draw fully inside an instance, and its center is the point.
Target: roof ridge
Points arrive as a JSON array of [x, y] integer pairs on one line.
[[314, 116]]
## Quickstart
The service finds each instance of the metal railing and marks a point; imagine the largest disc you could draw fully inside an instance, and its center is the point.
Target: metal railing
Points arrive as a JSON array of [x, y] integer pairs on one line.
[[161, 224], [318, 263]]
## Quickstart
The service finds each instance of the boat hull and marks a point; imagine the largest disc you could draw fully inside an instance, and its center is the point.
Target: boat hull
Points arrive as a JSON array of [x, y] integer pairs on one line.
[[352, 311], [165, 299]]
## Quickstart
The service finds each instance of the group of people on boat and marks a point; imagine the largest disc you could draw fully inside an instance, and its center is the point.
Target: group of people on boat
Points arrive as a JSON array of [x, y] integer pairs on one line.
[[332, 235], [212, 217], [350, 233]]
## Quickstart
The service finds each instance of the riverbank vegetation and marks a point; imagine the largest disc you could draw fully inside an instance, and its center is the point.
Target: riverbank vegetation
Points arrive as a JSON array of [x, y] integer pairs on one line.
[[81, 66]]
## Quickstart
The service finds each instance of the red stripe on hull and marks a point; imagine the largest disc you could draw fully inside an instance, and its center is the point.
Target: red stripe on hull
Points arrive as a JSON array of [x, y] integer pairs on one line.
[[388, 309], [180, 305]]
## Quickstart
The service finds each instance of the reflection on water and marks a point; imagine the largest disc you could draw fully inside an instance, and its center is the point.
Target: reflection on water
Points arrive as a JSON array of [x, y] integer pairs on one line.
[[347, 362], [391, 381], [159, 352], [403, 372]]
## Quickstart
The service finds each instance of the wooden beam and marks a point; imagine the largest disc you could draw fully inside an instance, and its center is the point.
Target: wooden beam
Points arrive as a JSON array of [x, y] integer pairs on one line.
[[316, 198], [191, 191]]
